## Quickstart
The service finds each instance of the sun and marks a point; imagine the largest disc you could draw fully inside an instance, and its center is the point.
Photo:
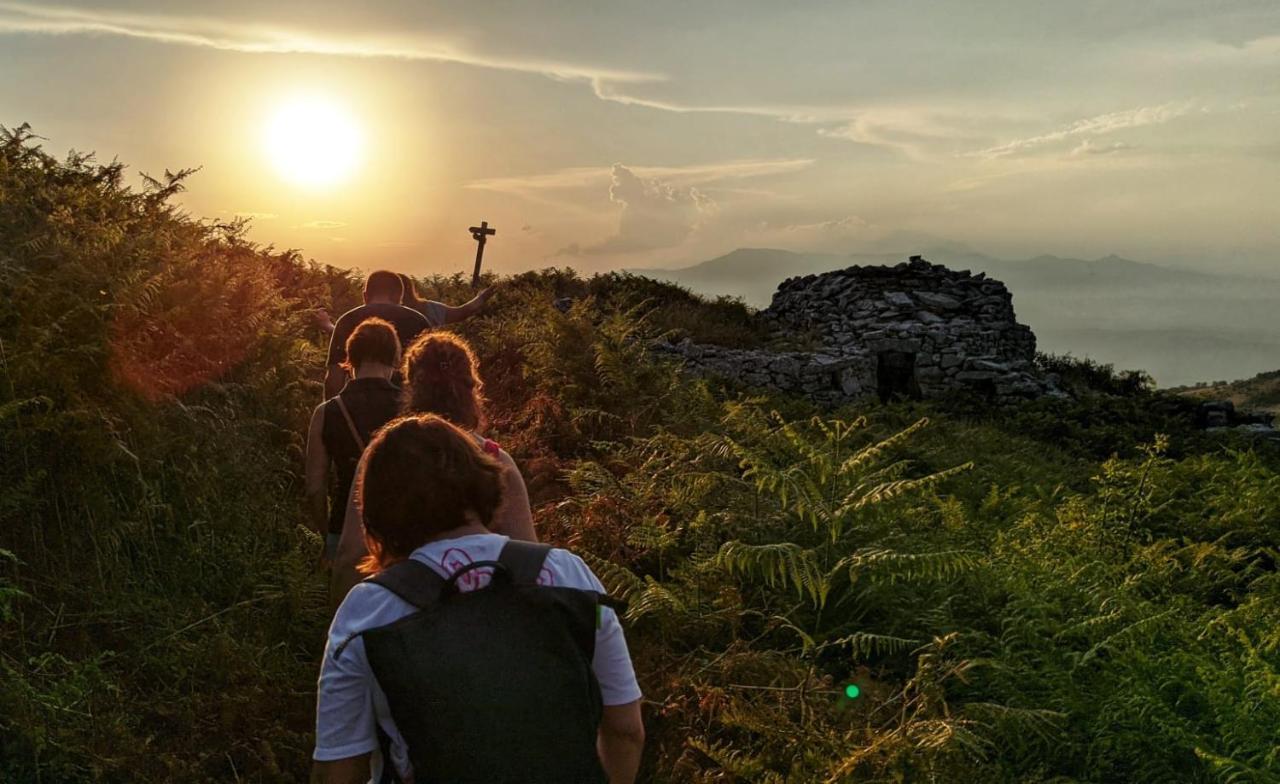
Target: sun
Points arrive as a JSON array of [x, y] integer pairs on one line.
[[313, 142]]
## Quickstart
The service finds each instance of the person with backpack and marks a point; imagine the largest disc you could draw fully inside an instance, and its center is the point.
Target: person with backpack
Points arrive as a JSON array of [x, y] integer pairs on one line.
[[440, 377], [343, 424], [467, 656], [382, 293]]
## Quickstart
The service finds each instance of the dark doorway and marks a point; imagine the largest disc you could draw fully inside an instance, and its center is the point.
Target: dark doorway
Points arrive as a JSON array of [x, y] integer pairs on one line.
[[896, 376]]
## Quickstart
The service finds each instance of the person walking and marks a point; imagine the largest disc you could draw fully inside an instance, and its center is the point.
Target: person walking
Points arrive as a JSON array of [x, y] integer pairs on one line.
[[342, 425], [382, 293], [467, 656], [441, 377]]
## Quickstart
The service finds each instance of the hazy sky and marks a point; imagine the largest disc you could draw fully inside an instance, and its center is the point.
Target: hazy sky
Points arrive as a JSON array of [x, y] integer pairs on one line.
[[603, 134]]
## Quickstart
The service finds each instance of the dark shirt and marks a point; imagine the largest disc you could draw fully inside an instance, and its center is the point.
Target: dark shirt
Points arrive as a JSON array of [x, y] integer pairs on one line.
[[408, 322], [372, 402]]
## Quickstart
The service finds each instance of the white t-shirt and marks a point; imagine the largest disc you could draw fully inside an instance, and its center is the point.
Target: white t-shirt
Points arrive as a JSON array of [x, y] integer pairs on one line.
[[350, 705]]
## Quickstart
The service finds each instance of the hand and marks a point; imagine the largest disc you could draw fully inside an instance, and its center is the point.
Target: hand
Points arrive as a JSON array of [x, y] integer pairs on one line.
[[323, 320]]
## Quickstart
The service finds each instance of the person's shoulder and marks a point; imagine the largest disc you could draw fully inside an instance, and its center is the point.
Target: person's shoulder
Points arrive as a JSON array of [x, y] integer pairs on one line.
[[416, 315], [368, 605], [355, 314], [435, 312], [570, 570]]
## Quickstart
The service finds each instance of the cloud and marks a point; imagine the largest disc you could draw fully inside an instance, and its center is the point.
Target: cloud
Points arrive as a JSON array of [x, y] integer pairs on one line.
[[1091, 126], [596, 176], [914, 132], [322, 224], [257, 216], [834, 235], [847, 223], [1087, 147], [655, 214], [258, 38]]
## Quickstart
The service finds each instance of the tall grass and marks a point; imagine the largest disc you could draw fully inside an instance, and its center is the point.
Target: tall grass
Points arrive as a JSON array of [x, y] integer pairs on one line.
[[1053, 593]]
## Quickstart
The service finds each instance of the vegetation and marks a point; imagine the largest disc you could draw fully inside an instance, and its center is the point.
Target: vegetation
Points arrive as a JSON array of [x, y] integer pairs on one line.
[[1262, 392], [1079, 590]]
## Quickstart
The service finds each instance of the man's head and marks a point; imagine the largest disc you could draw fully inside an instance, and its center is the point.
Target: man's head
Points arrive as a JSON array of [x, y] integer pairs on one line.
[[383, 286], [422, 477], [373, 341]]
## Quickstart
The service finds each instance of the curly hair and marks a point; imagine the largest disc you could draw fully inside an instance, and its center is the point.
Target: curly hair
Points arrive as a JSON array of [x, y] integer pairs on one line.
[[422, 476], [440, 378]]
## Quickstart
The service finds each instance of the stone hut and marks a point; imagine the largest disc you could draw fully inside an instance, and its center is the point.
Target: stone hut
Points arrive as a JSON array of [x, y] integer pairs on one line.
[[914, 330]]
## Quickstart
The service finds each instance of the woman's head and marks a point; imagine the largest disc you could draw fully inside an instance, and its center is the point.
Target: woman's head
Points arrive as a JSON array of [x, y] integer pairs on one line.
[[373, 340], [409, 298], [440, 378], [422, 477]]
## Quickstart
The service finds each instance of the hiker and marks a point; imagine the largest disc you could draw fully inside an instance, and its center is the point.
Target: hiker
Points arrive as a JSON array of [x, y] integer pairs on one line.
[[440, 378], [438, 313], [382, 293], [454, 668], [343, 424]]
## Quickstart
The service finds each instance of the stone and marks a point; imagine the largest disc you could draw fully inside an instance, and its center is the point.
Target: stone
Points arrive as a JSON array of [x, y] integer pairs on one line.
[[936, 300], [960, 327]]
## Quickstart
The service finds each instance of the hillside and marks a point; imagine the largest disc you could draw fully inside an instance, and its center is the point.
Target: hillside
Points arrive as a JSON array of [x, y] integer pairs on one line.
[[1069, 590], [1260, 393], [1181, 326]]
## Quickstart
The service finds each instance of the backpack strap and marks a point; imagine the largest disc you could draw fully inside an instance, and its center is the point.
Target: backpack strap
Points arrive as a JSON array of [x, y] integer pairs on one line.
[[523, 560], [355, 432], [411, 580]]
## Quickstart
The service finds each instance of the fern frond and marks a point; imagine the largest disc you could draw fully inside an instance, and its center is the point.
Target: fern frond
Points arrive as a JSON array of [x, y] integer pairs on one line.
[[783, 564]]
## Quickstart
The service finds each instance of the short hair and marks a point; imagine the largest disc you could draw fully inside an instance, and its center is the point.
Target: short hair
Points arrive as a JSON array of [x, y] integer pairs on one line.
[[373, 340], [385, 284], [440, 378], [420, 477]]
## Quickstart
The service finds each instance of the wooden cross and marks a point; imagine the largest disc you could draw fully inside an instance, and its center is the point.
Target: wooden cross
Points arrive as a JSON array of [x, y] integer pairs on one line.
[[480, 234]]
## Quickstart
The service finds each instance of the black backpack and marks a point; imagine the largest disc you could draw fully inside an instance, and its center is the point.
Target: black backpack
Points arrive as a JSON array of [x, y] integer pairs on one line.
[[494, 684]]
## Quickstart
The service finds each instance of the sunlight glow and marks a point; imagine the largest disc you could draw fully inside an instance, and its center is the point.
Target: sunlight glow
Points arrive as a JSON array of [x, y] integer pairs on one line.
[[313, 142]]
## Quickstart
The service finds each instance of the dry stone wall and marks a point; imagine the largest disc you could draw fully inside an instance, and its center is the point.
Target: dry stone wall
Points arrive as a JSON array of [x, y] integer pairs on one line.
[[912, 330]]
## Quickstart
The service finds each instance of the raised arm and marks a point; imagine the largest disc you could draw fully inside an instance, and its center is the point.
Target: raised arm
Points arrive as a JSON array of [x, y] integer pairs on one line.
[[317, 474], [453, 315]]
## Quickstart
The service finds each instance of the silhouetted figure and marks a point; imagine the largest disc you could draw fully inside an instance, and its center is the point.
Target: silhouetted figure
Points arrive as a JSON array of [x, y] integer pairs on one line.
[[342, 425], [383, 291]]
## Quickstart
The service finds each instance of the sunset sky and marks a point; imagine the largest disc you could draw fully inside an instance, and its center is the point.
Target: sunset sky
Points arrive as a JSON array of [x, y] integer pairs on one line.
[[602, 135]]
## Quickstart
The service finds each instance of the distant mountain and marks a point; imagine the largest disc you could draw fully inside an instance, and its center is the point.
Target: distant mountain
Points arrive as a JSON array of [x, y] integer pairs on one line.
[[1180, 325]]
